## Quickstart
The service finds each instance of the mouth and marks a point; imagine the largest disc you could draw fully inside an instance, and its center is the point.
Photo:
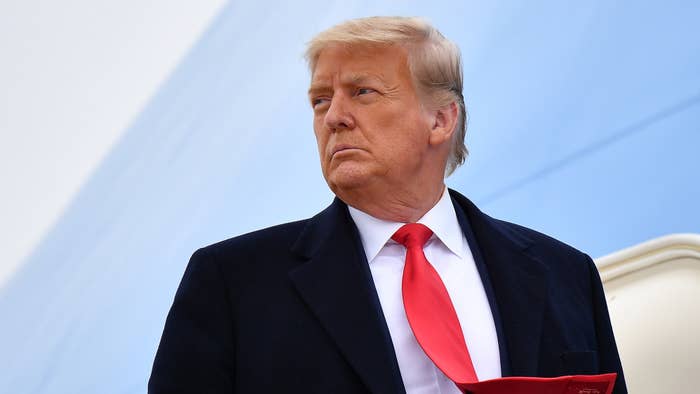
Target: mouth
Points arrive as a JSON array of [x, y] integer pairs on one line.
[[342, 148]]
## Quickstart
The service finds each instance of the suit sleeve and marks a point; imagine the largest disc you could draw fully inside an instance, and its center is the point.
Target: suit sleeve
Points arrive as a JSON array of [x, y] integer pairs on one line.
[[608, 357], [195, 354]]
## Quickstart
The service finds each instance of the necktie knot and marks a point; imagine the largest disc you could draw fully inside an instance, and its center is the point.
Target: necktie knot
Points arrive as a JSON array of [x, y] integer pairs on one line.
[[412, 235]]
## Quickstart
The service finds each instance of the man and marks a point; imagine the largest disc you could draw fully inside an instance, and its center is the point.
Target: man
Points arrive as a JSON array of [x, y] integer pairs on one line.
[[353, 301]]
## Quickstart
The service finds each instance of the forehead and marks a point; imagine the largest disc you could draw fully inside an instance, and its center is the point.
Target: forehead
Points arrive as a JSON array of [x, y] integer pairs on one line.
[[354, 62]]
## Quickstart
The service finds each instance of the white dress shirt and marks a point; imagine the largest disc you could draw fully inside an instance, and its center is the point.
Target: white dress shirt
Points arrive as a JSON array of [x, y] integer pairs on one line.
[[448, 251]]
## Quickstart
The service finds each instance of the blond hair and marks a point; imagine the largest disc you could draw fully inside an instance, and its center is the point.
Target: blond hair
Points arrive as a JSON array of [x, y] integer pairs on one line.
[[433, 60]]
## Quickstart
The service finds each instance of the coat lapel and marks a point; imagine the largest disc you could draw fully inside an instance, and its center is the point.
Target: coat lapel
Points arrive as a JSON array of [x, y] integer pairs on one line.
[[337, 286], [519, 282]]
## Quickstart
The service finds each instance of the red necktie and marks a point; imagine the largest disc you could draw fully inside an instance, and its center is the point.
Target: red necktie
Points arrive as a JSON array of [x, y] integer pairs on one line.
[[429, 310], [434, 323]]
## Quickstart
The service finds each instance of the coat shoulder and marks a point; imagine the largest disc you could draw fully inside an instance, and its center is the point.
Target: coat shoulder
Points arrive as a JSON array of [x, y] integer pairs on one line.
[[540, 241], [266, 240]]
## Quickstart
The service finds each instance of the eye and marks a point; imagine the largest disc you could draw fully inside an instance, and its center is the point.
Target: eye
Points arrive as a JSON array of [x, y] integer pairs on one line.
[[362, 91], [316, 101]]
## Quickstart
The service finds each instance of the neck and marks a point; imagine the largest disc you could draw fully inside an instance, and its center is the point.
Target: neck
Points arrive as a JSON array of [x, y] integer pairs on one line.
[[403, 206]]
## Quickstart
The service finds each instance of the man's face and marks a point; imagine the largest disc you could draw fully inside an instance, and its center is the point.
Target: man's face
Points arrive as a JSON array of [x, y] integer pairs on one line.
[[368, 120]]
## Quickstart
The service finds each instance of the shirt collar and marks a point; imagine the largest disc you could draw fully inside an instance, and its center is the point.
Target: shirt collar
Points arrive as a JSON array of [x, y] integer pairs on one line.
[[441, 219]]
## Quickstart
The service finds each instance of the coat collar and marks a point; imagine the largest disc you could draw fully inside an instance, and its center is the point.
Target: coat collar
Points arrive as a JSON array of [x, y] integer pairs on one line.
[[336, 284]]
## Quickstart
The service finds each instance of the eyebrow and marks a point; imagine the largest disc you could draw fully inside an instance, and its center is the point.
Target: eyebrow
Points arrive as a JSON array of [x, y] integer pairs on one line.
[[358, 79], [317, 88], [352, 79]]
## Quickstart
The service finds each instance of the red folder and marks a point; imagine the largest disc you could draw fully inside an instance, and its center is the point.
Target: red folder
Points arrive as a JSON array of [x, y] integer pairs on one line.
[[576, 384]]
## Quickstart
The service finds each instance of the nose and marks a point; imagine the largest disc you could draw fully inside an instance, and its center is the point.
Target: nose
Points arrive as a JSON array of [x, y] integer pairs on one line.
[[339, 117]]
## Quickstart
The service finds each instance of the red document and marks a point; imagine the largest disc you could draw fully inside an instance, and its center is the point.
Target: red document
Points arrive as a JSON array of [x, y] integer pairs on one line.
[[577, 384]]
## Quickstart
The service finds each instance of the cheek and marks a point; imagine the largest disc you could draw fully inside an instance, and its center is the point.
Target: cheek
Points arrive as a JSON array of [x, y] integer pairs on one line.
[[321, 141], [401, 130], [405, 139]]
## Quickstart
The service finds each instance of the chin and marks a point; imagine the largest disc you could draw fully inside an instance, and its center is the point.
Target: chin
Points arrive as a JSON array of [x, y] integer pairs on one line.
[[341, 180]]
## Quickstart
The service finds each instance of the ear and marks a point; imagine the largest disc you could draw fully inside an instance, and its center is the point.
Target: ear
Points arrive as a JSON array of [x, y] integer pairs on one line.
[[444, 123]]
